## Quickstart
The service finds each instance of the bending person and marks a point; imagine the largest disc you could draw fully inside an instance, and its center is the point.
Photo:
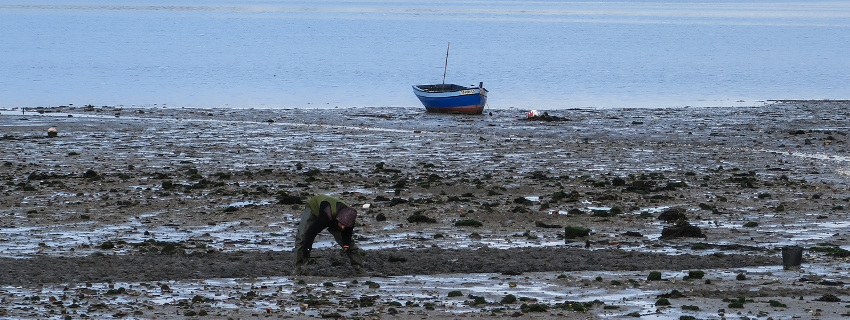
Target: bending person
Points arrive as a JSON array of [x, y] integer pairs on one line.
[[326, 212]]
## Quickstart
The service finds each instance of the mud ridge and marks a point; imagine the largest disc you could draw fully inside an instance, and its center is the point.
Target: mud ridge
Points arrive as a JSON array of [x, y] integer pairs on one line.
[[155, 267]]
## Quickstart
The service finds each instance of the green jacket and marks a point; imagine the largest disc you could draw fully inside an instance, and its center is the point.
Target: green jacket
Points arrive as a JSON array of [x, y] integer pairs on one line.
[[316, 201]]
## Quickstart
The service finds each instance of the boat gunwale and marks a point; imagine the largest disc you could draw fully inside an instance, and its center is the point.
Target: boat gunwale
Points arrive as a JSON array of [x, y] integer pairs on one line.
[[440, 88]]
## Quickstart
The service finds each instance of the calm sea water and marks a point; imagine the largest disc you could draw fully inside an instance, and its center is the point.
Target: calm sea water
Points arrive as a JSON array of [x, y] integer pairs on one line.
[[343, 53]]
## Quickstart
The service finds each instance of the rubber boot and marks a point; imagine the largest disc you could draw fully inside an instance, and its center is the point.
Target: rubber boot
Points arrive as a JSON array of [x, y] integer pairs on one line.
[[300, 259]]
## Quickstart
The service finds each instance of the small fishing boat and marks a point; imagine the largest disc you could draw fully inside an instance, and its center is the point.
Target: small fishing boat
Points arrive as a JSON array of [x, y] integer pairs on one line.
[[451, 98]]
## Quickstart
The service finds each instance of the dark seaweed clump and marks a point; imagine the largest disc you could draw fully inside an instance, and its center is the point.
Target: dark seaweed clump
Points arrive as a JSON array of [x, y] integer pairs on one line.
[[571, 232], [419, 217]]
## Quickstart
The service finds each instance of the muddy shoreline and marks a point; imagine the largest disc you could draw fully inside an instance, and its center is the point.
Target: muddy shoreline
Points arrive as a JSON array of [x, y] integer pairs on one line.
[[206, 201]]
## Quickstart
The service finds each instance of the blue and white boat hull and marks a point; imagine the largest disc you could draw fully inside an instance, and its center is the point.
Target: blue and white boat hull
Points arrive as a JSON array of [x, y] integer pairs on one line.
[[452, 98]]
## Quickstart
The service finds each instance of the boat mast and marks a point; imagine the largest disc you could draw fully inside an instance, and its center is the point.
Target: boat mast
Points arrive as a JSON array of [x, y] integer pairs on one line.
[[447, 64]]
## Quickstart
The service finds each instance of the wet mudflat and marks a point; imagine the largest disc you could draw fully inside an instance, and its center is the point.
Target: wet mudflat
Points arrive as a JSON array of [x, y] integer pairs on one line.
[[157, 213]]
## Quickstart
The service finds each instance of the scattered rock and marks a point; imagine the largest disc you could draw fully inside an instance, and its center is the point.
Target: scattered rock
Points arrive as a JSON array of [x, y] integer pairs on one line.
[[468, 223], [672, 215], [418, 217], [545, 116], [284, 198], [680, 230], [397, 201], [91, 175], [541, 224], [828, 298], [571, 232], [633, 234]]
